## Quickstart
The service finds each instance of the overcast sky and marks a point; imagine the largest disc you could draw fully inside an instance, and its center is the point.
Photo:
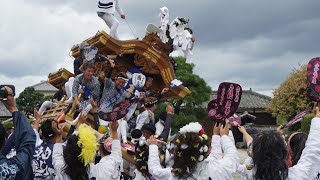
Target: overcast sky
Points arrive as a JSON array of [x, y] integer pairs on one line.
[[253, 43]]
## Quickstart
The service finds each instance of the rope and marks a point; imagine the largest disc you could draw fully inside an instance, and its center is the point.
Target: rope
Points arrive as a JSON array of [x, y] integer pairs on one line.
[[131, 29]]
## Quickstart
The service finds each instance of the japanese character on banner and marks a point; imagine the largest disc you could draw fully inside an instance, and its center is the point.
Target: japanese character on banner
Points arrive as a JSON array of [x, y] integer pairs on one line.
[[227, 102]]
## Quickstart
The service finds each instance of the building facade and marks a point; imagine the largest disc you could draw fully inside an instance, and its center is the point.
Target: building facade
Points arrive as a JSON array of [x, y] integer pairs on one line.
[[4, 113], [45, 88]]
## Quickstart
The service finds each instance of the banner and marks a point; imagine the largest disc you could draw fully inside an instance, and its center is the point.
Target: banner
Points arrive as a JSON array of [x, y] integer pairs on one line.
[[227, 102]]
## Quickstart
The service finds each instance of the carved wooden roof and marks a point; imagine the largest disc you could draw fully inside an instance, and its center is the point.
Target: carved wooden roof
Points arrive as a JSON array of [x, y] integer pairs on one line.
[[149, 54]]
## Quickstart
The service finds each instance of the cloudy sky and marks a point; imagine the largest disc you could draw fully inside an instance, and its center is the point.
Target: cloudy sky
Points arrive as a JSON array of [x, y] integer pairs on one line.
[[254, 43]]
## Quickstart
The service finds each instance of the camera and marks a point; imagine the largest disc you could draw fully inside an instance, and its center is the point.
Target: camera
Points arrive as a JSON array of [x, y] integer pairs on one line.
[[3, 92]]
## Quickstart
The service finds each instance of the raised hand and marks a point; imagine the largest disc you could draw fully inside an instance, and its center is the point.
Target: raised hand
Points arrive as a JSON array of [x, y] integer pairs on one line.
[[10, 103], [242, 129], [216, 129], [169, 109], [57, 129], [113, 126], [224, 130], [152, 140]]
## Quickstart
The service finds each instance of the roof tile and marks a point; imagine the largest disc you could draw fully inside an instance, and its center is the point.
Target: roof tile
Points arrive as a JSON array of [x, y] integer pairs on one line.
[[250, 99], [44, 86]]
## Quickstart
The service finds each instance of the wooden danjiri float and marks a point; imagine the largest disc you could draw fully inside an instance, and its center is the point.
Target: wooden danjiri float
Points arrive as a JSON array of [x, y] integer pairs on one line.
[[150, 55]]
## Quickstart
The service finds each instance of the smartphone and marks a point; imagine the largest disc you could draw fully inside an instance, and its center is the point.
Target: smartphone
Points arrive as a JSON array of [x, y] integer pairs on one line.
[[4, 93]]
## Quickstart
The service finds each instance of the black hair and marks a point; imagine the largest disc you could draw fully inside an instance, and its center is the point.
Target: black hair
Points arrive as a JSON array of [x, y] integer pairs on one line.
[[150, 102], [141, 156], [74, 166], [297, 144], [122, 74], [149, 127], [103, 149], [270, 156], [3, 135], [88, 65], [182, 159], [47, 132], [163, 116], [188, 29], [142, 152]]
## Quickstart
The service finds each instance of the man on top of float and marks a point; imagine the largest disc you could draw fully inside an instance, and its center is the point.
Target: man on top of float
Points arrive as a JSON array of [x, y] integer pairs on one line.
[[106, 10]]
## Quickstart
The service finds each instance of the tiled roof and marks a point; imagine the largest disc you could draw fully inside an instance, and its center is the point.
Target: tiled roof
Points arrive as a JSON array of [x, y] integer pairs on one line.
[[4, 111], [44, 86], [250, 99]]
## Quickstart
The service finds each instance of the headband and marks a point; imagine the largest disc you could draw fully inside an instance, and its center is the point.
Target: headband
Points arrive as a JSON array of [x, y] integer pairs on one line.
[[151, 102], [122, 78]]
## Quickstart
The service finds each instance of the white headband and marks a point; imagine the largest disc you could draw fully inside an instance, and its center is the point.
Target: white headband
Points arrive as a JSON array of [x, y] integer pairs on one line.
[[122, 78]]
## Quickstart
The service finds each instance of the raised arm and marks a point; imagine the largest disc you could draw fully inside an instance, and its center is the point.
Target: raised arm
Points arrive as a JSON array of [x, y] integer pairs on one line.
[[104, 170], [225, 167], [154, 165], [230, 158], [216, 149], [142, 119], [309, 163], [119, 10], [116, 149], [75, 89], [24, 139], [246, 135], [167, 126]]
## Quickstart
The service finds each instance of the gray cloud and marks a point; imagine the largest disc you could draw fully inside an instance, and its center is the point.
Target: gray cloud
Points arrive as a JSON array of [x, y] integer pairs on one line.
[[254, 43]]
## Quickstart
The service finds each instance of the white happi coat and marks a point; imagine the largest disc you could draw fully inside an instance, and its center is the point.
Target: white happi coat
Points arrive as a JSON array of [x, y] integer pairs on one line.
[[109, 166], [215, 166], [308, 166]]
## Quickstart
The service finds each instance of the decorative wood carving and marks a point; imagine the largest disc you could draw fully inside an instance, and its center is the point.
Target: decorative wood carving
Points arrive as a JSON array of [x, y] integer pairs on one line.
[[150, 54]]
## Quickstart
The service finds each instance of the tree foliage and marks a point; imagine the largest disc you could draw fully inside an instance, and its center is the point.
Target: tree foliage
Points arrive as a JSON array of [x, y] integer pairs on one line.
[[200, 90], [290, 98], [188, 109], [306, 122], [29, 99]]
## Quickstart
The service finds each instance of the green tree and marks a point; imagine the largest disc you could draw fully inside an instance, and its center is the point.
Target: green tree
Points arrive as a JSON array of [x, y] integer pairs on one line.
[[200, 90], [190, 108], [29, 99], [290, 98], [306, 122]]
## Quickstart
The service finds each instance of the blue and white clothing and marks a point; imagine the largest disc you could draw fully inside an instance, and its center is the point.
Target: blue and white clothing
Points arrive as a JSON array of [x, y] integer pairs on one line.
[[110, 96], [24, 141], [42, 162], [93, 86]]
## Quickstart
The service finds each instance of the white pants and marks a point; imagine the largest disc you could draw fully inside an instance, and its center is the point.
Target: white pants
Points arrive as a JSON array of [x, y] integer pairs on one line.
[[112, 23], [122, 129], [68, 87], [45, 106]]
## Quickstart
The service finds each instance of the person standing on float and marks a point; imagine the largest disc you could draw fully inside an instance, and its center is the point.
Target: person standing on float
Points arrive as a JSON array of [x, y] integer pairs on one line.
[[106, 10]]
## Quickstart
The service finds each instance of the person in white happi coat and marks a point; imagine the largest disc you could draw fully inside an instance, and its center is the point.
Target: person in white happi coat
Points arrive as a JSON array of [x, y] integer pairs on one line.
[[106, 10], [271, 143], [147, 116], [74, 161], [223, 160], [202, 167]]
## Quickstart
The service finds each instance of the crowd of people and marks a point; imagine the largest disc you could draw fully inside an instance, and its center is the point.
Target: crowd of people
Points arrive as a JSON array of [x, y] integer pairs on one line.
[[48, 150], [40, 151]]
